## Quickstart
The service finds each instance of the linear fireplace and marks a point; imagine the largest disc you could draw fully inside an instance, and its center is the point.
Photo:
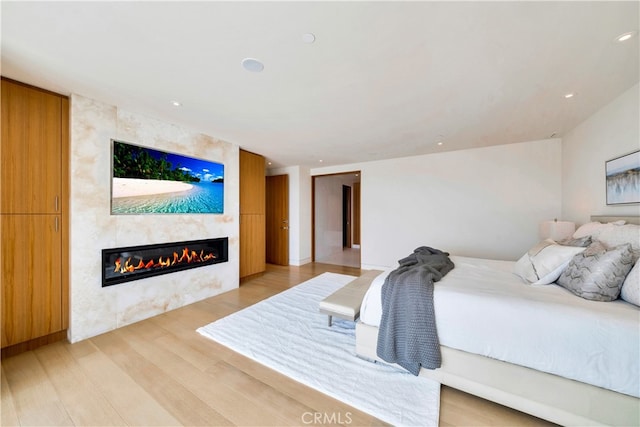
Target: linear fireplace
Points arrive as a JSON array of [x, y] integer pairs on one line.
[[121, 265]]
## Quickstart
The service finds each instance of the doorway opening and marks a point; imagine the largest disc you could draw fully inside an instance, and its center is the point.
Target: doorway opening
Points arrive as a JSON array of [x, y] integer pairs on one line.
[[336, 219]]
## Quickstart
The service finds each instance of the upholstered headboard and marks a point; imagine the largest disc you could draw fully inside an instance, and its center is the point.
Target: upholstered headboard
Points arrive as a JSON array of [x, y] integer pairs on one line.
[[605, 218]]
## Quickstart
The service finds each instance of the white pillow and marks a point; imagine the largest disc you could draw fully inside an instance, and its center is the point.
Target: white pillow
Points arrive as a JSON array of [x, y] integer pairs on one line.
[[590, 229], [545, 262], [631, 287], [595, 228], [619, 235]]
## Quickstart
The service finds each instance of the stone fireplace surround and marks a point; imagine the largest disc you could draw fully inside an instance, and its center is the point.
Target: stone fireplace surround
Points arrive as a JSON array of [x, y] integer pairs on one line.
[[94, 309]]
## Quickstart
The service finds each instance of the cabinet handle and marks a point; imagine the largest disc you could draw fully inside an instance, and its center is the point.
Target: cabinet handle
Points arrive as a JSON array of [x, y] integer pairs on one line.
[[57, 226], [56, 203]]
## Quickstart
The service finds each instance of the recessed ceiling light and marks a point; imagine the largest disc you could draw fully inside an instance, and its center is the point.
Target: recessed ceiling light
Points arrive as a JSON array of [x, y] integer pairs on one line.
[[308, 38], [440, 143], [253, 65], [320, 161], [176, 104], [569, 95], [626, 36]]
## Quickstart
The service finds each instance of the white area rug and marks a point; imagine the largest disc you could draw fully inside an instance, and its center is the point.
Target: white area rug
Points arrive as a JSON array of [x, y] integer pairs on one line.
[[288, 334]]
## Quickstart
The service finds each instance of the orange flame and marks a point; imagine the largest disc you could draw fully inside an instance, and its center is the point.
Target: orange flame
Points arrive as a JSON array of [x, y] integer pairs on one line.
[[188, 256]]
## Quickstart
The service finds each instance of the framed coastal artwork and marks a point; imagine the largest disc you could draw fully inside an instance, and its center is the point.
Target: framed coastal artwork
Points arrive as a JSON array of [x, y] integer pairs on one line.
[[149, 181], [623, 179]]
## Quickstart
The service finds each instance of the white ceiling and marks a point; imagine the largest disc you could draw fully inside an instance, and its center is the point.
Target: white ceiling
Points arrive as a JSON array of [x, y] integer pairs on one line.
[[382, 80]]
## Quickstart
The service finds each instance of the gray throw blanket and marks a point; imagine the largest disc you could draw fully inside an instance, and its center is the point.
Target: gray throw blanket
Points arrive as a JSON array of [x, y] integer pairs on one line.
[[408, 334]]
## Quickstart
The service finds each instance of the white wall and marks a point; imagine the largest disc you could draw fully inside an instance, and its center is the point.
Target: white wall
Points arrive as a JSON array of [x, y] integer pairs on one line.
[[484, 202], [299, 212], [328, 217], [611, 132], [94, 309], [304, 241]]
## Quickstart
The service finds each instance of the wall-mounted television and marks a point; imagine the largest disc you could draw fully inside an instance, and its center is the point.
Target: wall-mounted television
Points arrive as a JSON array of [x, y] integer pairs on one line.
[[149, 181]]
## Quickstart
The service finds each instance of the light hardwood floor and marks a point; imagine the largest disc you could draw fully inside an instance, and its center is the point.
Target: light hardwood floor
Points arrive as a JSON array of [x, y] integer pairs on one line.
[[161, 372]]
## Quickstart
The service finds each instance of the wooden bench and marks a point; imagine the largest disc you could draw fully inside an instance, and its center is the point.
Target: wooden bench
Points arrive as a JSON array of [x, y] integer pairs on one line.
[[345, 302]]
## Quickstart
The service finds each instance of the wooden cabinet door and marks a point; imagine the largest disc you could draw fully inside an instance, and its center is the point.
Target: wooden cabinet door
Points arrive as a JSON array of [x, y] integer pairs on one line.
[[252, 213], [252, 244], [252, 183], [31, 277], [30, 173]]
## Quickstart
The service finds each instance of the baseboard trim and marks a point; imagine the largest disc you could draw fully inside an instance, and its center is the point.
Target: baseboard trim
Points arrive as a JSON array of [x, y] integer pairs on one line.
[[251, 276], [22, 347], [299, 262]]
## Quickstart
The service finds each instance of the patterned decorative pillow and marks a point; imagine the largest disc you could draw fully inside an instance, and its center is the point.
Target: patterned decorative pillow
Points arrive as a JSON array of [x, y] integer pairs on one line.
[[582, 242], [598, 273], [631, 287], [596, 248]]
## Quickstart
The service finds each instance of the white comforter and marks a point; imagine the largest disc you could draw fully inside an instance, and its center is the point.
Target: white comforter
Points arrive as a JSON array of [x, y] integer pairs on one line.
[[483, 308]]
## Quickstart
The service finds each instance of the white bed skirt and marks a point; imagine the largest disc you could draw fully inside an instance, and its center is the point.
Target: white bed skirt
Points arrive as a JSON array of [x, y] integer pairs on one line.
[[547, 396]]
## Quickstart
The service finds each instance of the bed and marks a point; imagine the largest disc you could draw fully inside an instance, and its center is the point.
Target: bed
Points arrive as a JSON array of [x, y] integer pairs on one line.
[[539, 349]]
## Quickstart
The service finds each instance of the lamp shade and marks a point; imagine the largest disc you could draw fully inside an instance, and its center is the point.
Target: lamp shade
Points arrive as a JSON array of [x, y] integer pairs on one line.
[[557, 230]]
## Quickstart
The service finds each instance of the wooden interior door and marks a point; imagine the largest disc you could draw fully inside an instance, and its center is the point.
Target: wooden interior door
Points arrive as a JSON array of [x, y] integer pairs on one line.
[[31, 277], [277, 219], [346, 216]]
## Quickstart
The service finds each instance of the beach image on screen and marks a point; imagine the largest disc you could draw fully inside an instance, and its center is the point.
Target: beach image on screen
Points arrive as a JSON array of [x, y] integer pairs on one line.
[[148, 181]]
